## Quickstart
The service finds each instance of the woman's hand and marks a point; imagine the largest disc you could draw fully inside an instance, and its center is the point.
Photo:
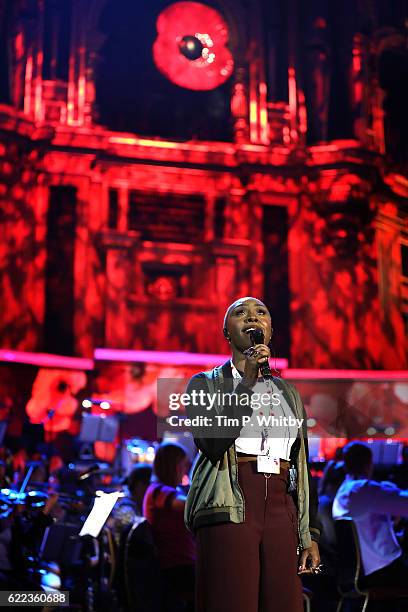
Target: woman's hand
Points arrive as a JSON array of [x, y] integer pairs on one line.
[[310, 560], [255, 356]]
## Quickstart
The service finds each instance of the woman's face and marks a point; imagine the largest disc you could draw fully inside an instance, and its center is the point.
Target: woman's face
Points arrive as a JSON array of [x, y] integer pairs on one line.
[[244, 315]]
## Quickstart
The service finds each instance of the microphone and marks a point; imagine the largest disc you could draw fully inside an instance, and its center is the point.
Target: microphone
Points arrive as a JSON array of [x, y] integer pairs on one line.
[[257, 337]]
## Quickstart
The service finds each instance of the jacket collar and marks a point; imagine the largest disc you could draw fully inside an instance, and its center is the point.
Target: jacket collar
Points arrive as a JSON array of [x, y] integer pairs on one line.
[[226, 369], [229, 385], [228, 379]]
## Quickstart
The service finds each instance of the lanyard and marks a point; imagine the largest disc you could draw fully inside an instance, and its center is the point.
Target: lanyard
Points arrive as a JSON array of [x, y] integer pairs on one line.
[[265, 431]]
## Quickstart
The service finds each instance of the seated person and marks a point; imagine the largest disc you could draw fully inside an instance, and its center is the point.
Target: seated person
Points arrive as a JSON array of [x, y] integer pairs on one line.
[[163, 507], [324, 586], [131, 506], [20, 535], [332, 478], [371, 505]]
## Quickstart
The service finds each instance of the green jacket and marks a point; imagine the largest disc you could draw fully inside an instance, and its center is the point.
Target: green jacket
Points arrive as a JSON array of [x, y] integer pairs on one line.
[[215, 495]]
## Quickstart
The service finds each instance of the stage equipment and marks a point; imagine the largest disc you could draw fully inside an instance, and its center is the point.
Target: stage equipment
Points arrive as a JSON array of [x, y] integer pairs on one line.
[[385, 452], [62, 544], [98, 428]]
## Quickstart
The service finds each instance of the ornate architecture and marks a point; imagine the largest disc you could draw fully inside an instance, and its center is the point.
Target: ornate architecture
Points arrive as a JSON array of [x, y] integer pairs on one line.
[[135, 209]]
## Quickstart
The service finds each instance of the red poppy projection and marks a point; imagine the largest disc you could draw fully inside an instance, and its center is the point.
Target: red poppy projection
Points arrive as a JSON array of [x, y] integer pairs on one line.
[[191, 46], [53, 402]]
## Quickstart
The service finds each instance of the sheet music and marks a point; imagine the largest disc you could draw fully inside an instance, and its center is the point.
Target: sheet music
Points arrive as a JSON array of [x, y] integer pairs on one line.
[[103, 506]]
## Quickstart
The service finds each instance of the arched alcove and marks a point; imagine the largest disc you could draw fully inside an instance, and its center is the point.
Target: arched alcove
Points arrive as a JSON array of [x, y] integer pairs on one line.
[[392, 62]]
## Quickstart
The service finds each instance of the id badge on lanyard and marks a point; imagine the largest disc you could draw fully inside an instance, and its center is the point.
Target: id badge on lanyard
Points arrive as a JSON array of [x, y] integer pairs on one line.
[[268, 464]]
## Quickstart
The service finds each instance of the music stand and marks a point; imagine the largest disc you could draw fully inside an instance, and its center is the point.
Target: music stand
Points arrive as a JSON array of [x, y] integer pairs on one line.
[[101, 509], [97, 428], [61, 543]]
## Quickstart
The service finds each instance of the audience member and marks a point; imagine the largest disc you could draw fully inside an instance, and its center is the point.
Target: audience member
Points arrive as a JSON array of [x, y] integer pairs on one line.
[[324, 586], [332, 478], [164, 509], [371, 505], [131, 506], [20, 533]]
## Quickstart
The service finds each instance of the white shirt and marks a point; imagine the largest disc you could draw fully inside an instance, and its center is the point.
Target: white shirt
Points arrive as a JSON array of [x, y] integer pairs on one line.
[[280, 439], [370, 504]]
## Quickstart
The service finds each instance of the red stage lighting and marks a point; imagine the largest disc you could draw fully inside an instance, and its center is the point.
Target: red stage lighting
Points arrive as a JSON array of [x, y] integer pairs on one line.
[[190, 48]]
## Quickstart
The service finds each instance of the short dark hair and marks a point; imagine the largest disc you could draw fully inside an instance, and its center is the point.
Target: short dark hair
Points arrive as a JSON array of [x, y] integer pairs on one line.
[[356, 456], [232, 306], [141, 473], [168, 455]]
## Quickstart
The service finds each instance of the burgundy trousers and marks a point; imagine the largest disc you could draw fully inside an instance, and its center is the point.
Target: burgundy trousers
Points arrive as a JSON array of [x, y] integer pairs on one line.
[[252, 566]]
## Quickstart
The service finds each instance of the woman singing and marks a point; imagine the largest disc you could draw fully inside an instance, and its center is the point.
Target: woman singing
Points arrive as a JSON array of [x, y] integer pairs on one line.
[[250, 503]]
